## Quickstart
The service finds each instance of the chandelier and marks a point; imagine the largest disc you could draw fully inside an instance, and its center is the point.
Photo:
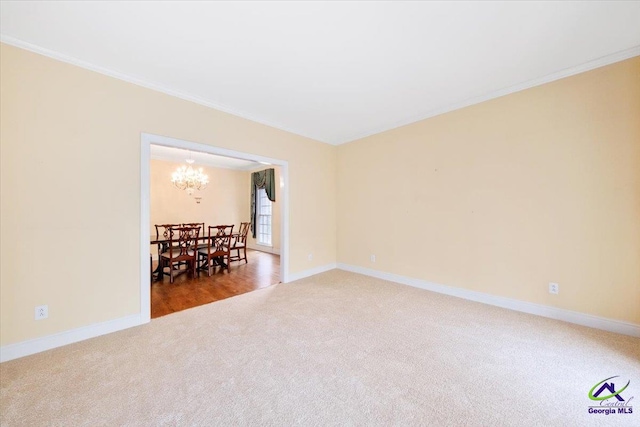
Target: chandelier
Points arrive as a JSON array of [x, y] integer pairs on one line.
[[189, 179]]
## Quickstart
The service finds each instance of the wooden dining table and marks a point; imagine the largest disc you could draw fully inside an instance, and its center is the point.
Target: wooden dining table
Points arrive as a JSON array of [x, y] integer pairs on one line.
[[163, 245], [165, 240]]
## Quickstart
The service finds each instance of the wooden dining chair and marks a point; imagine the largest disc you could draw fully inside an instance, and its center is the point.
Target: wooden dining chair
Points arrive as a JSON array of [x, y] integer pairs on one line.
[[203, 230], [182, 249], [218, 248], [162, 232], [240, 243]]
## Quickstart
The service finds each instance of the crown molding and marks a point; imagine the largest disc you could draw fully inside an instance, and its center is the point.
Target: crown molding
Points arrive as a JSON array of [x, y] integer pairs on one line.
[[567, 72], [146, 84]]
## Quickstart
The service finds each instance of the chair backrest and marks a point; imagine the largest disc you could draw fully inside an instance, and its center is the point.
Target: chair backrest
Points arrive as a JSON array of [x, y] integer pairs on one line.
[[242, 232], [196, 224], [183, 241], [164, 229], [219, 239]]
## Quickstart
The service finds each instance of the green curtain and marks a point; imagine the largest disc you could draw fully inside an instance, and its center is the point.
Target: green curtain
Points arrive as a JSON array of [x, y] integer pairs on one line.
[[264, 179]]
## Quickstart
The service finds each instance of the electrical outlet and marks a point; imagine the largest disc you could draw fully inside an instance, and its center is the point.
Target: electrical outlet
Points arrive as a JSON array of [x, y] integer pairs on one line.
[[42, 312], [310, 257], [373, 258], [554, 288]]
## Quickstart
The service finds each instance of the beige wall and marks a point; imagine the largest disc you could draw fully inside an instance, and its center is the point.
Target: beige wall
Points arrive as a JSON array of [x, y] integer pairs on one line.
[[508, 195], [70, 184], [224, 201], [501, 197]]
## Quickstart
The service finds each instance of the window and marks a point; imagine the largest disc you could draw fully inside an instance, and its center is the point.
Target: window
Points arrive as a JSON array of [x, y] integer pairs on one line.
[[264, 218]]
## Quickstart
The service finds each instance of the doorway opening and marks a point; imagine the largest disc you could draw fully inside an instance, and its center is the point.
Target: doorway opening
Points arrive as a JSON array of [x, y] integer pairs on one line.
[[151, 145]]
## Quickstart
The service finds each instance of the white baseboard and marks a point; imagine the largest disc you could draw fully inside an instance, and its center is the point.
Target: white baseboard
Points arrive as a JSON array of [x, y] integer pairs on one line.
[[37, 345], [611, 325], [310, 272], [262, 248]]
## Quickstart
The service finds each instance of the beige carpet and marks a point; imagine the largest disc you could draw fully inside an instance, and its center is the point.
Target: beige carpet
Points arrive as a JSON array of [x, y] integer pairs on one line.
[[333, 349]]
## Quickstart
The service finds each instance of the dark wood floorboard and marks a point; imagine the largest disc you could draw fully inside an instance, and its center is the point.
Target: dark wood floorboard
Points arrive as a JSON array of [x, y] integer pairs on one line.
[[262, 270]]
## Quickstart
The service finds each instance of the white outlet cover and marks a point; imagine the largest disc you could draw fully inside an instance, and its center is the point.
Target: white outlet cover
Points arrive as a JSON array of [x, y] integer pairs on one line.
[[373, 258], [41, 312], [554, 288]]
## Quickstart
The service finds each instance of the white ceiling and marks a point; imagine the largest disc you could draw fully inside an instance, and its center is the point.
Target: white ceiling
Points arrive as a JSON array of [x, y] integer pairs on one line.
[[178, 155], [332, 71]]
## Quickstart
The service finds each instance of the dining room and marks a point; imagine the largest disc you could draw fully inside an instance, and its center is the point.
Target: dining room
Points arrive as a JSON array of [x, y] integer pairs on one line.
[[215, 227]]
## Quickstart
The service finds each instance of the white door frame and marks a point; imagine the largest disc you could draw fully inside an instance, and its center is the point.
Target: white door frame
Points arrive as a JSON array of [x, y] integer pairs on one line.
[[146, 140]]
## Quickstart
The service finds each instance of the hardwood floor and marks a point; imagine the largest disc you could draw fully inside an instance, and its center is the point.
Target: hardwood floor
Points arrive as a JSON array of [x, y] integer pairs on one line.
[[262, 270]]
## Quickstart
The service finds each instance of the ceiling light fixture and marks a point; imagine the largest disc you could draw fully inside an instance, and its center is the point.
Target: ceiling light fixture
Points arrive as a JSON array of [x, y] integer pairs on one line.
[[189, 179]]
